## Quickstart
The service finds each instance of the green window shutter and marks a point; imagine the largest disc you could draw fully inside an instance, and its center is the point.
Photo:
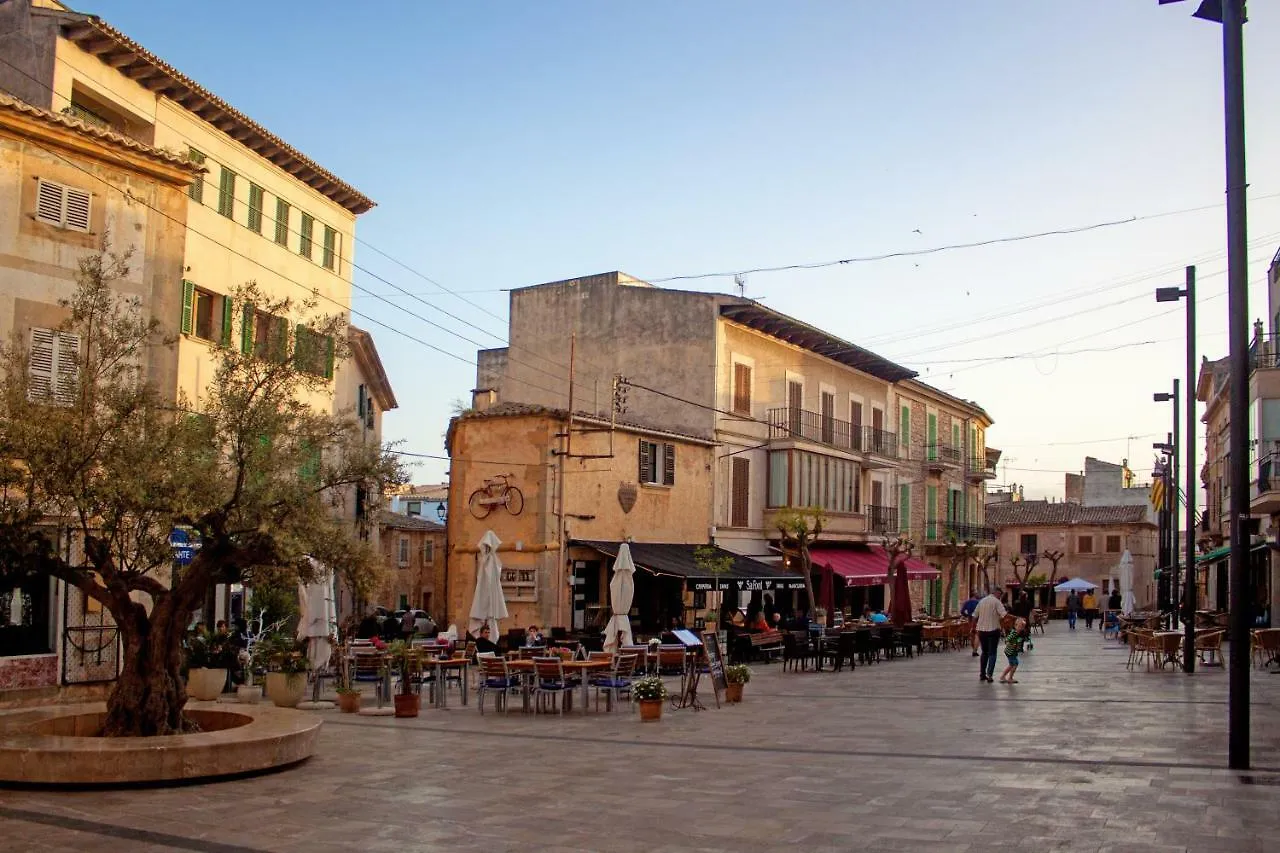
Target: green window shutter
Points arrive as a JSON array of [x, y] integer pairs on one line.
[[228, 308], [305, 232], [188, 306], [904, 508], [904, 427], [227, 192], [301, 346], [255, 208], [310, 469], [246, 329], [282, 222], [328, 356], [932, 450], [196, 190], [931, 512], [330, 244]]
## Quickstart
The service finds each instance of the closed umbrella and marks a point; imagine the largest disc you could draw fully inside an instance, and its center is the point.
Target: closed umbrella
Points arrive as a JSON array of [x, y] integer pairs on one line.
[[317, 621], [1126, 583], [622, 589], [488, 606]]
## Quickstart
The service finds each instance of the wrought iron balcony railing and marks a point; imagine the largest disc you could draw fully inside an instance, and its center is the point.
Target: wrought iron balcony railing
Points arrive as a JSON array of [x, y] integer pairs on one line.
[[939, 452], [790, 422], [882, 519]]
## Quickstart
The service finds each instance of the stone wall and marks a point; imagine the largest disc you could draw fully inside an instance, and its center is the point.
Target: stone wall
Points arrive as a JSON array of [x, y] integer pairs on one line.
[[28, 671]]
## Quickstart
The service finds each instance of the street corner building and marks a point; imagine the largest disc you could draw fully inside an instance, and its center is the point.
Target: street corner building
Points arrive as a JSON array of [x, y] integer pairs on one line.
[[774, 413]]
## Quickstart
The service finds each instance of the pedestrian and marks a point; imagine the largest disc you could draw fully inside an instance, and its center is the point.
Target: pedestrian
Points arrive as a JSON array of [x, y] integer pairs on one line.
[[1012, 648], [1073, 609], [1090, 605], [966, 610], [988, 613], [1022, 609], [408, 623]]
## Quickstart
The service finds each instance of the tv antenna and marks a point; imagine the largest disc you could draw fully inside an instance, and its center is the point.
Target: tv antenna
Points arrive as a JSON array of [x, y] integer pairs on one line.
[[741, 282]]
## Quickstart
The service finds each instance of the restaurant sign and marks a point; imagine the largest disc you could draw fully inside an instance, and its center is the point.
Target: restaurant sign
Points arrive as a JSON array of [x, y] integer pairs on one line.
[[519, 584], [746, 584]]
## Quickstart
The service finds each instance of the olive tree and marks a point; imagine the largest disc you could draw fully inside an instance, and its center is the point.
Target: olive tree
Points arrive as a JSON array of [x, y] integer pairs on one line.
[[256, 470]]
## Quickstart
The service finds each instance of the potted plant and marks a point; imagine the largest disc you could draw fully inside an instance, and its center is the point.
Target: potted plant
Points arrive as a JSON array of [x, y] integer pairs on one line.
[[402, 656], [735, 675], [209, 657], [348, 695], [286, 671], [649, 692]]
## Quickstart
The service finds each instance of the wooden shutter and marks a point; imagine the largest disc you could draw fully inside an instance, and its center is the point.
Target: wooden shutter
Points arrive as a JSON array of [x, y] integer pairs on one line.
[[227, 309], [227, 192], [360, 404], [77, 209], [328, 356], [330, 246], [904, 427], [246, 329], [49, 202], [188, 306], [303, 349], [40, 365], [282, 222], [931, 511], [739, 510], [66, 371], [304, 239], [196, 190], [668, 464], [904, 507], [742, 389], [645, 448], [795, 395], [255, 208], [932, 437]]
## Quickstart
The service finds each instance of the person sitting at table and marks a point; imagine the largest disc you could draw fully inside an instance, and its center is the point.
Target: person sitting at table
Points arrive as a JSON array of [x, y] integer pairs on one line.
[[878, 617], [758, 622], [483, 643], [866, 613], [533, 637]]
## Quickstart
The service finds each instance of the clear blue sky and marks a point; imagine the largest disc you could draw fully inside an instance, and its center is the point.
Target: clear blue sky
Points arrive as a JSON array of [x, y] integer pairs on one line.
[[513, 143]]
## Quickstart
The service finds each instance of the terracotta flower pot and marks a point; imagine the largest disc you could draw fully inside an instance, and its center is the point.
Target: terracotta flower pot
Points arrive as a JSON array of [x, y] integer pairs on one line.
[[285, 689], [349, 703], [407, 704], [650, 710], [206, 684], [733, 691]]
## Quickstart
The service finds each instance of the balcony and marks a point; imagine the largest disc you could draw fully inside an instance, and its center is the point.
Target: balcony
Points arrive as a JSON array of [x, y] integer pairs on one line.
[[844, 526], [882, 520], [1264, 352], [1264, 496], [939, 457], [977, 468], [791, 423], [969, 532]]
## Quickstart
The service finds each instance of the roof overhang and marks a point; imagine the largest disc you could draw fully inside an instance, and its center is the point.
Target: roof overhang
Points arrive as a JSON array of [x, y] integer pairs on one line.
[[98, 38], [366, 356], [789, 330]]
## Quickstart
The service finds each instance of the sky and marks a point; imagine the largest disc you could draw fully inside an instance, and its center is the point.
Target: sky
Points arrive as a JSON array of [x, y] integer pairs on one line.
[[509, 144]]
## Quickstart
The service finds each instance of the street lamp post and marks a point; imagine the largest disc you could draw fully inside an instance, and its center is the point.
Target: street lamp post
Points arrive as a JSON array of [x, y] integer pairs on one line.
[[1231, 14], [1173, 294], [1174, 485]]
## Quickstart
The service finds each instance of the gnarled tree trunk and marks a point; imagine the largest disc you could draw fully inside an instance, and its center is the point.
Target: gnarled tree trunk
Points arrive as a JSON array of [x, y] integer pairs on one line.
[[149, 695]]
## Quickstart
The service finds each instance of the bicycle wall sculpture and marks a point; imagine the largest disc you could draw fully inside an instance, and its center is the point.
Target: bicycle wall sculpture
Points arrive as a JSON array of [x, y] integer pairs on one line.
[[496, 492]]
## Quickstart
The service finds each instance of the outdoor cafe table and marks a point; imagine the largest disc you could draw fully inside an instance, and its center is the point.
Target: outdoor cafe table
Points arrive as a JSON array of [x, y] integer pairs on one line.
[[1170, 646], [583, 667], [442, 664]]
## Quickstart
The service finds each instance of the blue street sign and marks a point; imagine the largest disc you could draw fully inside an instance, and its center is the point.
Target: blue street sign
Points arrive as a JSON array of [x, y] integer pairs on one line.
[[184, 544]]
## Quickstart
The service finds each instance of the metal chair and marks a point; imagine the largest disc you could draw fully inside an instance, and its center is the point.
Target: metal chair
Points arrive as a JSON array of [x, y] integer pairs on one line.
[[616, 682], [550, 683], [495, 678]]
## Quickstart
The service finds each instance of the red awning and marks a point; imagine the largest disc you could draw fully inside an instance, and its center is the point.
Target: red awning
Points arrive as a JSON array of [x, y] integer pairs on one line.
[[867, 566]]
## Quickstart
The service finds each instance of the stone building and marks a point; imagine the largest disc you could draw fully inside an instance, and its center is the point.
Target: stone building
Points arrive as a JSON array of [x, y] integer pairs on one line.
[[413, 559], [1092, 540], [804, 418]]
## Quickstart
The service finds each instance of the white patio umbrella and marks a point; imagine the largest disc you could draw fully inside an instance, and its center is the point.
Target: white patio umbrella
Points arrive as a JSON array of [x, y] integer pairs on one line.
[[622, 589], [1126, 583], [488, 606], [318, 619]]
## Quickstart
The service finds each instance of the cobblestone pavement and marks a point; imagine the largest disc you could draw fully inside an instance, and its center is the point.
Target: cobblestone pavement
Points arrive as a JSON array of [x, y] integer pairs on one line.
[[1081, 755]]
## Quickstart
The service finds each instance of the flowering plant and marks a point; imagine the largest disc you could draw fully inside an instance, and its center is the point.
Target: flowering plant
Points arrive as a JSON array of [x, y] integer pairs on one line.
[[648, 689], [738, 673]]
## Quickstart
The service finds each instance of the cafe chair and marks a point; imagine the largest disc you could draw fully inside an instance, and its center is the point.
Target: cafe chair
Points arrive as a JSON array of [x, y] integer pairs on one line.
[[495, 678], [617, 682], [550, 683]]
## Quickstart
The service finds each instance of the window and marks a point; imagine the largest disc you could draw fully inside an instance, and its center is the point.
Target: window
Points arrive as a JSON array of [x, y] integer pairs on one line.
[[855, 424], [428, 552], [282, 222], [1085, 545], [304, 241], [196, 190], [329, 254], [205, 315], [904, 507], [54, 367], [1029, 543], [269, 335], [827, 402], [413, 509], [904, 427], [740, 503], [312, 352], [255, 209], [741, 389], [227, 193], [1113, 544], [657, 463], [62, 206], [799, 478], [795, 405], [404, 550], [931, 439], [930, 512]]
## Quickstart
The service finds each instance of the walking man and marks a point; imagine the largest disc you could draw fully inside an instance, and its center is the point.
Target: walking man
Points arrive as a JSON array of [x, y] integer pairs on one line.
[[1073, 609], [966, 610], [988, 614]]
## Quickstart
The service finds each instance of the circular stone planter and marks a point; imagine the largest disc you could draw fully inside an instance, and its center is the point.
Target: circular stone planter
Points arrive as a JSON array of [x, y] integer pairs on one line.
[[59, 745]]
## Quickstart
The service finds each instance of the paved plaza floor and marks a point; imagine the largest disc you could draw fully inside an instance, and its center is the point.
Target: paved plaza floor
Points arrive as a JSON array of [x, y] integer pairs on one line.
[[1081, 755]]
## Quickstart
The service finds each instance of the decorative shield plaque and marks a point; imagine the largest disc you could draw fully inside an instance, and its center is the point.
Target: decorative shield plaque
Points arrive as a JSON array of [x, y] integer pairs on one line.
[[627, 493]]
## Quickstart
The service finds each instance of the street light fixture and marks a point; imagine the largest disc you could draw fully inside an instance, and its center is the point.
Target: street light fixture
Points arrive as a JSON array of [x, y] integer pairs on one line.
[[1172, 500], [1231, 15]]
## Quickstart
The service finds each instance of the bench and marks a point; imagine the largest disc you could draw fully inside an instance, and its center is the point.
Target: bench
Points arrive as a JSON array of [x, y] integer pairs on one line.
[[760, 644]]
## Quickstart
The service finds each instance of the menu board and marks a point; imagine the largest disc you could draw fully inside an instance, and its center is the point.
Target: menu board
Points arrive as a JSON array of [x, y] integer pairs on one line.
[[715, 662]]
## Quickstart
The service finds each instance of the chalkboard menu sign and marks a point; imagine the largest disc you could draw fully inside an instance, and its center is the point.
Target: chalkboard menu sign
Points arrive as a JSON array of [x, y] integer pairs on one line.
[[715, 662]]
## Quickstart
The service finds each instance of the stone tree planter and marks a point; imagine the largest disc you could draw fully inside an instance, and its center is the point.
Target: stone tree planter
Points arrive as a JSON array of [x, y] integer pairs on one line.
[[285, 689]]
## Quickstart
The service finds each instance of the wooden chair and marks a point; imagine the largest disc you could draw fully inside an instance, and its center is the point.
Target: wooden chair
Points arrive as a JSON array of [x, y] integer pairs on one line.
[[1266, 646], [672, 660], [795, 651], [1140, 643], [550, 682], [1209, 647], [495, 678], [617, 682]]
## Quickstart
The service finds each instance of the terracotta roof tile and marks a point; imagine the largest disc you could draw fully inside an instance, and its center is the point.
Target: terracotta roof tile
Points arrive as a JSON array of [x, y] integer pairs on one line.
[[1043, 513], [395, 520]]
